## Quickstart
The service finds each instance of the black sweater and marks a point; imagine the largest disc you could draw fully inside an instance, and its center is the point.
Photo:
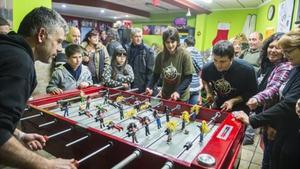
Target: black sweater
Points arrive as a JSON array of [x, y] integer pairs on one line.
[[17, 82]]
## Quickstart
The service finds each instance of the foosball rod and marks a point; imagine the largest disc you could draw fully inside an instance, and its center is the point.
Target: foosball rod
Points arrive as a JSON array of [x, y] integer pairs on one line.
[[96, 152], [188, 145], [168, 165], [48, 123], [59, 133], [140, 112], [30, 117], [147, 146], [137, 153], [76, 141], [176, 107], [213, 119]]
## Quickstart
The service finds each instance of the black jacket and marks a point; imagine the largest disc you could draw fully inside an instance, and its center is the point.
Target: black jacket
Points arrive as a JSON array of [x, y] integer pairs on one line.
[[141, 59], [283, 117], [17, 82]]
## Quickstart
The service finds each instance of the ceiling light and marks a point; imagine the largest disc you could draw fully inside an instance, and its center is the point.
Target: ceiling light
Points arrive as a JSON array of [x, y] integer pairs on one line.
[[188, 12], [207, 1], [64, 5], [126, 16], [102, 11], [115, 17]]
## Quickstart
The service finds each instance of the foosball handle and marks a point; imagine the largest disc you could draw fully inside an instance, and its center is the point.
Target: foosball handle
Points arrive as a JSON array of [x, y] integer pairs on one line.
[[168, 165]]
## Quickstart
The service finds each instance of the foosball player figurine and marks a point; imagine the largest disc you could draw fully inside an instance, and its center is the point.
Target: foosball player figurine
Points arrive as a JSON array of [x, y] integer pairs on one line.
[[145, 106], [106, 97], [65, 108], [112, 125], [82, 96], [131, 131], [137, 105], [171, 126], [81, 109], [194, 112], [157, 116], [100, 115], [146, 122], [88, 113], [203, 130], [121, 110], [167, 113], [88, 102], [120, 99], [185, 119]]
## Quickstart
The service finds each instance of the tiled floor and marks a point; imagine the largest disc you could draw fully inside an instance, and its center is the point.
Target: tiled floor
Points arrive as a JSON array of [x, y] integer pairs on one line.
[[251, 155]]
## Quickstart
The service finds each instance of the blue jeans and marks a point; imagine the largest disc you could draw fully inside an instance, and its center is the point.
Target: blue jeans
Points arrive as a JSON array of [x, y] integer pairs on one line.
[[194, 97]]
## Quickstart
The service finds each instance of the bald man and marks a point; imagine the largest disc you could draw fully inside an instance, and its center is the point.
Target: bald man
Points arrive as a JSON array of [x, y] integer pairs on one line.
[[73, 37]]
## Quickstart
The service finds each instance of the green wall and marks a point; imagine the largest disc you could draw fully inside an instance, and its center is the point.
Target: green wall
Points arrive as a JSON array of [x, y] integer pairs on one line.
[[206, 25], [236, 19], [21, 8], [264, 23]]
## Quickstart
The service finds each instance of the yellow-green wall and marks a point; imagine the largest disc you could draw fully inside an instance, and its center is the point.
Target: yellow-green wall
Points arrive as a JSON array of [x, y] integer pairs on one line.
[[236, 19], [22, 7], [262, 12], [206, 25]]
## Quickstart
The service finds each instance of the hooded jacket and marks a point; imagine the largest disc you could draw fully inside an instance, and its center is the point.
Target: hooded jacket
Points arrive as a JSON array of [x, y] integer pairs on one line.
[[17, 82]]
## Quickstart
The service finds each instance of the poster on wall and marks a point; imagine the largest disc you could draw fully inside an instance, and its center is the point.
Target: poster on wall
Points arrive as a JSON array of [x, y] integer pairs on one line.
[[154, 29], [6, 10], [285, 13]]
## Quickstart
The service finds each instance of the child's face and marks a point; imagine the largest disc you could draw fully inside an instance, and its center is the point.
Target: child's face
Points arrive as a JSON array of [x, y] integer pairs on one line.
[[75, 60], [121, 58]]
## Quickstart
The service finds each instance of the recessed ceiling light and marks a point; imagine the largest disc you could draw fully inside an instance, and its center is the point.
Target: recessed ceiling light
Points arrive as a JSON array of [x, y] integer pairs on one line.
[[102, 11], [64, 5], [126, 16], [207, 1], [115, 17]]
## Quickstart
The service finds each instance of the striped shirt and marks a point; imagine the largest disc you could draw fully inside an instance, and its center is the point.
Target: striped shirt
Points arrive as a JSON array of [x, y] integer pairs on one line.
[[198, 64], [277, 77]]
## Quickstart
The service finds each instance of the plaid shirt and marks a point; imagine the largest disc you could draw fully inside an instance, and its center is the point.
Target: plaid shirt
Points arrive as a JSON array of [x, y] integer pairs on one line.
[[277, 77]]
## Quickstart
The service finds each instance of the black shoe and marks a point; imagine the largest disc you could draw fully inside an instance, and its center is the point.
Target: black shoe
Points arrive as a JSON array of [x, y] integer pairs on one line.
[[248, 142]]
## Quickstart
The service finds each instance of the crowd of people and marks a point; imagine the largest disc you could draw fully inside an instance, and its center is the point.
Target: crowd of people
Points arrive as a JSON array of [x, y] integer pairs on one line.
[[256, 80]]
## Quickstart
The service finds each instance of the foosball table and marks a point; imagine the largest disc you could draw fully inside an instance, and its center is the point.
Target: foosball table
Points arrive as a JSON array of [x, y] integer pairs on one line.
[[111, 128]]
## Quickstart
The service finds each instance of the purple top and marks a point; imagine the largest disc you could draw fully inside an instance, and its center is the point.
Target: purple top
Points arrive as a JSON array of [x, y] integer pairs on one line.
[[277, 77]]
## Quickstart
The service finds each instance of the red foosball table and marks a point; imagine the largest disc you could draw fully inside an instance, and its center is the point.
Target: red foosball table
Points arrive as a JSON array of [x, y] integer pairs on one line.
[[111, 128]]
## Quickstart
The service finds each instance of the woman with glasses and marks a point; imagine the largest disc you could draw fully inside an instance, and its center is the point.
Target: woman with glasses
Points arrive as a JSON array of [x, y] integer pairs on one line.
[[282, 116], [119, 73], [273, 72]]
